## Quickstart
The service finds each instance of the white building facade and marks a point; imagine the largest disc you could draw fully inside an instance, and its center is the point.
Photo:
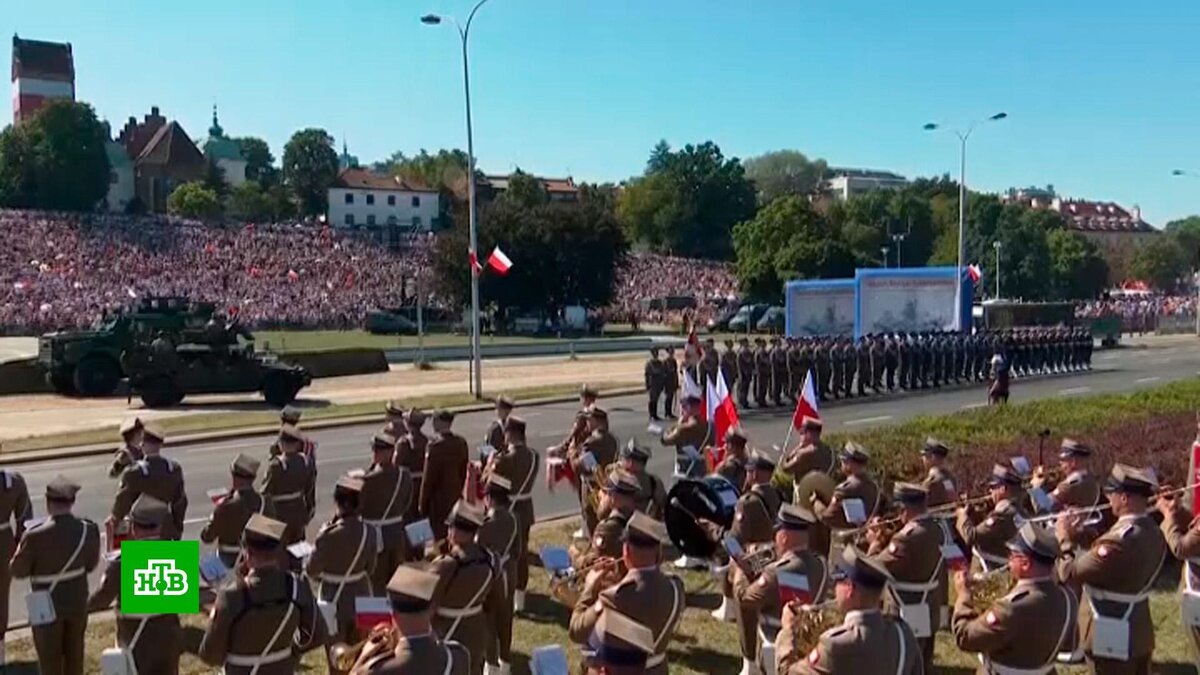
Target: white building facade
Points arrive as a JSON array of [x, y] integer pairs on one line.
[[847, 183], [361, 198]]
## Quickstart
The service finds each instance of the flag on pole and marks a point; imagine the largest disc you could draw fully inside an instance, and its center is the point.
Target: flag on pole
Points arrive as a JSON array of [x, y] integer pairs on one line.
[[476, 268], [806, 406], [1193, 472], [499, 262], [690, 388], [974, 273], [721, 411]]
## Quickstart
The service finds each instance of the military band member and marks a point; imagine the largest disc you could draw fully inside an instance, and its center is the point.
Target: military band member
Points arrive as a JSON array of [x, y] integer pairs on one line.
[[344, 555], [410, 454], [501, 535], [656, 381], [618, 501], [989, 539], [858, 485], [745, 372], [290, 417], [153, 641], [759, 594], [289, 485], [1117, 572], [231, 513], [386, 492], [15, 509], [156, 476], [130, 449], [418, 650], [393, 419], [689, 433], [810, 453], [618, 645], [56, 556], [445, 472], [733, 465], [652, 496], [1182, 534], [518, 463], [938, 482], [1079, 487], [645, 594], [470, 592], [602, 446], [1024, 630], [671, 388], [264, 620], [495, 432], [868, 641]]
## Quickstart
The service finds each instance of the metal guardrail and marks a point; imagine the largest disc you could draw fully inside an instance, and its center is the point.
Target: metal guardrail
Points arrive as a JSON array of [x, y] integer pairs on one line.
[[527, 349]]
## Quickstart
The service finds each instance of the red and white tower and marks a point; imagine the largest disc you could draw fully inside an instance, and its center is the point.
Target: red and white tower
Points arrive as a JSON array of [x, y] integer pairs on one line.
[[41, 71]]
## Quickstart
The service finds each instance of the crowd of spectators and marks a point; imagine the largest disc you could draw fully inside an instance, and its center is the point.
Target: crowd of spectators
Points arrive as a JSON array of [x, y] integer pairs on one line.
[[648, 276], [1139, 313]]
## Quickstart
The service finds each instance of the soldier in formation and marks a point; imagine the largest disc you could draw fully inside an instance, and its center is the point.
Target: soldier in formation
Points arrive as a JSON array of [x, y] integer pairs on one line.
[[290, 486], [445, 472], [655, 381], [417, 649], [157, 476], [385, 493], [411, 445], [232, 510], [500, 534]]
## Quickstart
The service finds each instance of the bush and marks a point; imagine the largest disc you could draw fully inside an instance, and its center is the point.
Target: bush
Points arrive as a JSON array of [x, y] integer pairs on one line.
[[193, 200]]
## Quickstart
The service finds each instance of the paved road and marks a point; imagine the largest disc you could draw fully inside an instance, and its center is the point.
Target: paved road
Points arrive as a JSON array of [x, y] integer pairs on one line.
[[340, 450]]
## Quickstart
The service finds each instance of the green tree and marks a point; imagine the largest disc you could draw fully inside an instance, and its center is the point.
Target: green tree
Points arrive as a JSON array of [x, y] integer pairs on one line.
[[1187, 232], [788, 239], [248, 202], [1078, 271], [525, 190], [310, 166], [784, 172], [688, 201], [1024, 251], [1161, 262], [214, 179], [602, 196], [260, 163], [17, 182], [57, 160], [193, 200]]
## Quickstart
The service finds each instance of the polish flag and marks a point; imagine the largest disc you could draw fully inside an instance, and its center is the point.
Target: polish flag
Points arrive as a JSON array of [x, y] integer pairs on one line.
[[499, 262], [476, 268], [690, 388], [974, 273], [806, 407], [1193, 472], [370, 612], [720, 409]]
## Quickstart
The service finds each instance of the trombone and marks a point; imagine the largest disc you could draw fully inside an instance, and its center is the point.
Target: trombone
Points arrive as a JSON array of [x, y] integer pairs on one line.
[[1097, 509]]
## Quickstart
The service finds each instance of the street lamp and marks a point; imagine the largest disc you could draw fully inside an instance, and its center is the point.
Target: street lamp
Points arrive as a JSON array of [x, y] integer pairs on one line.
[[1185, 172], [1196, 276], [996, 245], [898, 237], [464, 31], [885, 250], [962, 203]]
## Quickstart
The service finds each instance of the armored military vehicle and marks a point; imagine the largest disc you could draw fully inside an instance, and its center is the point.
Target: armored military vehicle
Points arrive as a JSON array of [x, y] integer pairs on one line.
[[164, 373]]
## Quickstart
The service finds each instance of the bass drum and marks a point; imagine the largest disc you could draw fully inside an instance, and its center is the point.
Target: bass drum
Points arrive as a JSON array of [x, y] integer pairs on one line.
[[712, 499]]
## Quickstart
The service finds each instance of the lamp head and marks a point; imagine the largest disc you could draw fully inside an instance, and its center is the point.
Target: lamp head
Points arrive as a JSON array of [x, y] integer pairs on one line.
[[998, 116], [1177, 172], [431, 19], [930, 126]]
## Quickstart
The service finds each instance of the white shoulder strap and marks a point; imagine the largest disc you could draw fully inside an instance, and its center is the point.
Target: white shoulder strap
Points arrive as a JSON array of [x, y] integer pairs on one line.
[[903, 648]]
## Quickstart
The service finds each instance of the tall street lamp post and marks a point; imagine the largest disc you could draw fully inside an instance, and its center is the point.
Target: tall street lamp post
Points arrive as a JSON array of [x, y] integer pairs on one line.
[[1196, 276], [996, 245]]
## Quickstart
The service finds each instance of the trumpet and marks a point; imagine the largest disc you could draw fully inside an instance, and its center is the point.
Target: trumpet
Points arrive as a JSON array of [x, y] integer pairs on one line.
[[567, 588], [344, 656], [889, 525], [1095, 511]]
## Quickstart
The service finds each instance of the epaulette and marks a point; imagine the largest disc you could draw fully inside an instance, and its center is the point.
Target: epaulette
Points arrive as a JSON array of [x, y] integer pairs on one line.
[[1124, 531]]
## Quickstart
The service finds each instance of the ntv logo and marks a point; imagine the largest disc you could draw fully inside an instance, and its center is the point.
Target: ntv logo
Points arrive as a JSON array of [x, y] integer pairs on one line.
[[160, 577]]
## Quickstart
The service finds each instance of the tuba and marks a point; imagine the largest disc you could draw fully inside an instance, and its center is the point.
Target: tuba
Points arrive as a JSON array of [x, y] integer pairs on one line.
[[808, 622], [344, 656], [988, 587], [814, 486]]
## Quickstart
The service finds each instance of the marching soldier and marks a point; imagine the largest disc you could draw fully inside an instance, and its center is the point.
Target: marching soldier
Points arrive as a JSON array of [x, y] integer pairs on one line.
[[645, 594], [1079, 488], [745, 372], [1117, 573], [938, 482], [152, 641], [1182, 534], [1023, 631], [501, 535], [689, 433], [444, 474], [671, 367], [232, 511], [759, 593], [868, 641], [344, 555], [862, 357], [418, 650], [383, 499], [156, 476], [410, 454], [656, 381], [618, 500], [779, 371], [733, 464], [470, 592], [56, 556], [762, 372], [729, 365], [15, 509], [289, 485], [988, 540], [130, 449], [652, 496], [618, 645], [519, 464], [602, 447], [495, 432], [262, 621]]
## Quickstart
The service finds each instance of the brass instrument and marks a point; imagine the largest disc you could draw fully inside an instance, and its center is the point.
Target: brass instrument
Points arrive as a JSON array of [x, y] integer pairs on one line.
[[988, 587], [344, 656], [568, 587], [809, 622]]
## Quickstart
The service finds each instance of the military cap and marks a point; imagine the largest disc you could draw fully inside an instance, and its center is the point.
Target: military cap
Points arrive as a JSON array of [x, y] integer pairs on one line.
[[759, 341], [1036, 542], [735, 434], [654, 350], [382, 441], [290, 414], [263, 531], [859, 569], [744, 340], [910, 493], [728, 342], [1125, 478], [415, 417], [503, 401], [811, 423], [289, 432], [792, 517], [410, 590], [761, 460], [515, 425], [496, 482], [443, 415], [154, 432], [586, 391], [597, 413], [621, 482], [465, 517], [245, 466], [642, 530], [1002, 474], [148, 512], [62, 488], [855, 453], [636, 452], [130, 425], [393, 408], [618, 640], [1073, 448], [935, 447], [348, 483]]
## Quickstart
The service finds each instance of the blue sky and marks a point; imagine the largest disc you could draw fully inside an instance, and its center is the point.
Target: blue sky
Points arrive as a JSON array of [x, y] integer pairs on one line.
[[1103, 96]]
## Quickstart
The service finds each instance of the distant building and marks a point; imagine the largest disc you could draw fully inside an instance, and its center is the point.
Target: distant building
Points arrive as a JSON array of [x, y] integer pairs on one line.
[[362, 198], [225, 152], [164, 157], [41, 71], [1106, 223], [845, 183], [120, 176], [347, 160], [559, 189]]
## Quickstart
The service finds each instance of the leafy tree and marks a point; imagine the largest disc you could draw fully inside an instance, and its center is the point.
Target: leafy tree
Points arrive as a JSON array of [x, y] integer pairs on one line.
[[193, 200], [214, 179], [1078, 271], [310, 166], [1187, 232], [445, 168], [280, 201], [248, 202], [260, 163], [784, 172], [1161, 262], [526, 190], [17, 181], [936, 186], [602, 196], [788, 239], [688, 201], [57, 160]]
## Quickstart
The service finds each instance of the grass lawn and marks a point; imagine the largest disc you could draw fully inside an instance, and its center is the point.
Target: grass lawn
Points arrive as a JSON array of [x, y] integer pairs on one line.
[[701, 645], [315, 340]]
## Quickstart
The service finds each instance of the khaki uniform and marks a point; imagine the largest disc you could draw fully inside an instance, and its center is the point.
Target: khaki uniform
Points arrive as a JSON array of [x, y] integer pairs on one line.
[[1079, 490], [754, 514], [913, 559], [733, 469], [1024, 630], [603, 446], [1126, 560], [652, 496], [501, 535], [941, 486], [468, 599], [1182, 535], [248, 613], [495, 434], [43, 555], [798, 462], [519, 464], [228, 519], [760, 597], [15, 509], [289, 486], [386, 493], [160, 478], [410, 454], [690, 431], [444, 475], [154, 640], [866, 642], [344, 555], [607, 540], [652, 598], [854, 487], [988, 540], [125, 457], [426, 655]]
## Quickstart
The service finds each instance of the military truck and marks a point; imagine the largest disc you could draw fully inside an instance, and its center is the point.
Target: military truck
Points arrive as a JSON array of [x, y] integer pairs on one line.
[[163, 373]]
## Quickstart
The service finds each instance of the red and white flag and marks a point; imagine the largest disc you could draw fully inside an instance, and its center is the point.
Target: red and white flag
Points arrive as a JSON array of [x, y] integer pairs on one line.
[[720, 408], [499, 262], [806, 406], [975, 273], [476, 268], [690, 388], [1193, 474], [370, 612]]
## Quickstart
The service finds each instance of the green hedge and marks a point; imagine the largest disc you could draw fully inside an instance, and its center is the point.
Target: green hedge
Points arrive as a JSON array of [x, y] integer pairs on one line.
[[340, 362]]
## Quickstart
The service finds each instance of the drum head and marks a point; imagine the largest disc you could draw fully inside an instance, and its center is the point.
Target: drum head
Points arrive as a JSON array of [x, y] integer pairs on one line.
[[692, 501]]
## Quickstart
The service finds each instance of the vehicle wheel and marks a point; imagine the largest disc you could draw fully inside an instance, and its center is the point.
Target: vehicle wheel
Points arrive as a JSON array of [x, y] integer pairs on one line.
[[160, 393], [97, 376], [62, 382], [279, 391]]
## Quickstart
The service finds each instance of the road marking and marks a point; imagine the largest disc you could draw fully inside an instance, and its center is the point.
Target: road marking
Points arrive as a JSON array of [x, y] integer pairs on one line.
[[1073, 390], [972, 406], [867, 420], [1143, 380]]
